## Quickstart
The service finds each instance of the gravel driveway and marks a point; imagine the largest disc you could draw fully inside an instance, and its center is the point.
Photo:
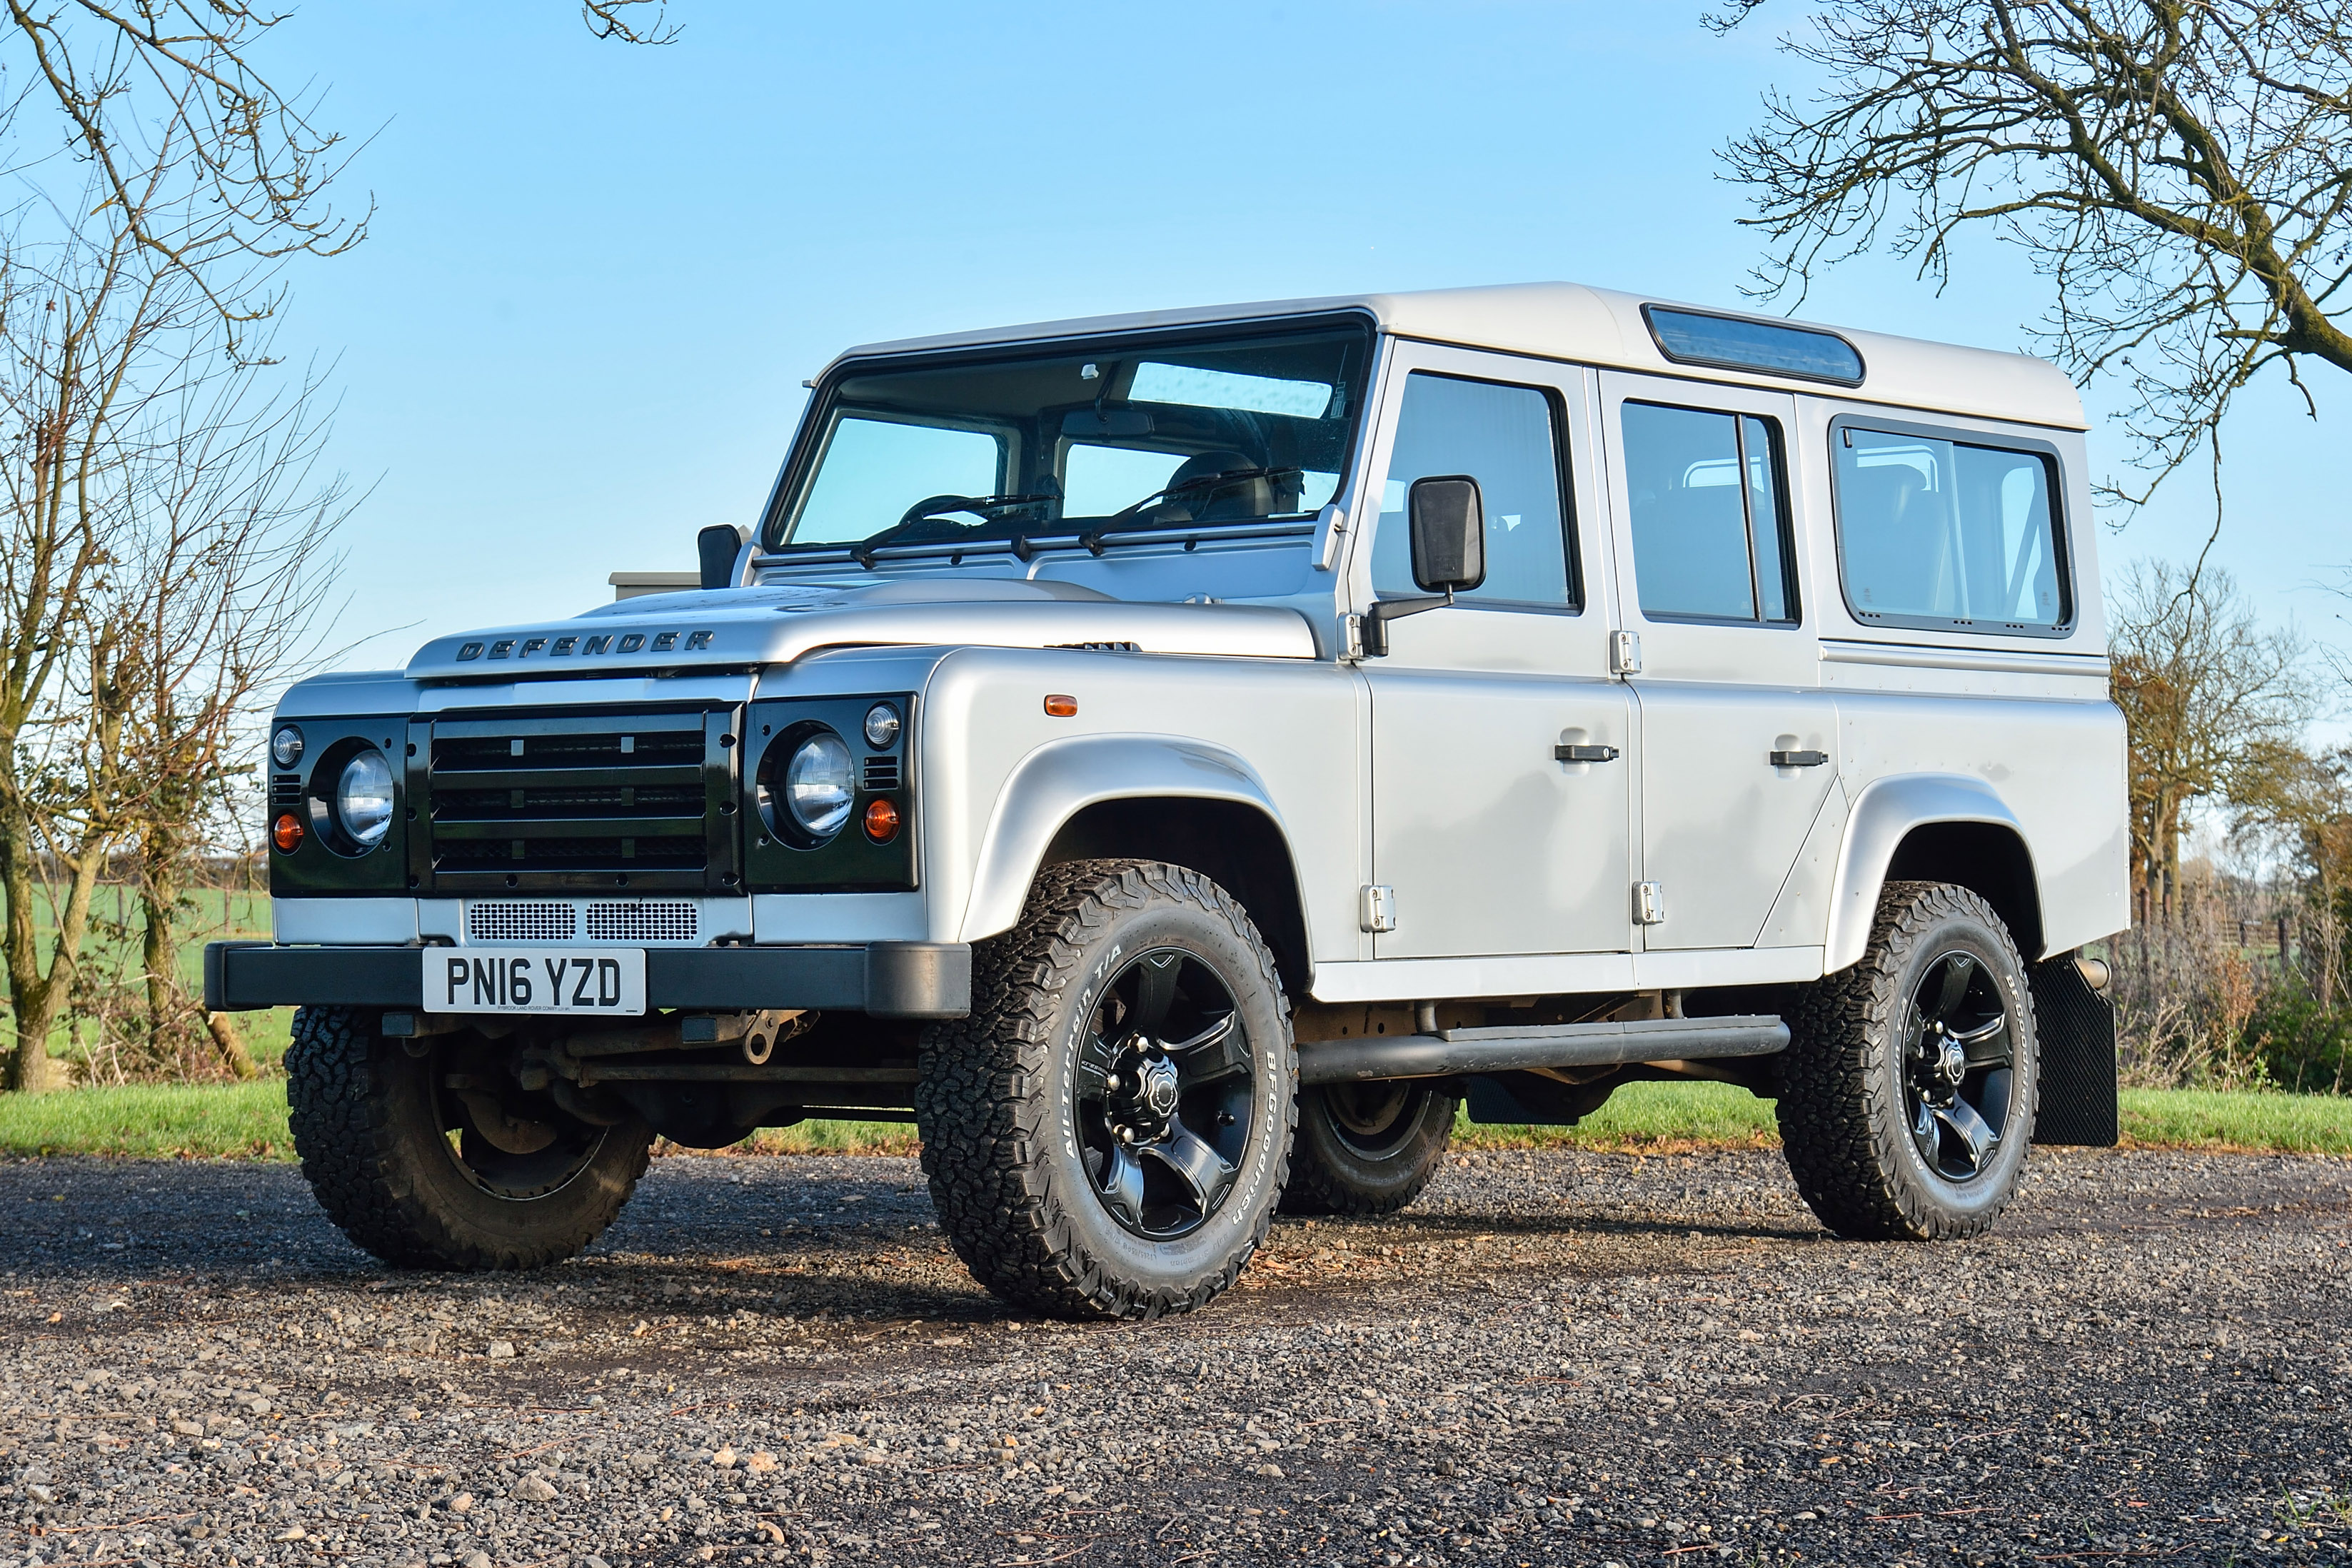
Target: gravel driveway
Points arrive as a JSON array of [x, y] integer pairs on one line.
[[1554, 1358]]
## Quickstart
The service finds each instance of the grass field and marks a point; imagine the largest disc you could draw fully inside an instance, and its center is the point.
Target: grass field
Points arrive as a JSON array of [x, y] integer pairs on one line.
[[247, 1121]]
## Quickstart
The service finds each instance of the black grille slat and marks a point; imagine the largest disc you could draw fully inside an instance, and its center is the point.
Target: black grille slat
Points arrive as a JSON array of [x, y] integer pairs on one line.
[[623, 798], [881, 775]]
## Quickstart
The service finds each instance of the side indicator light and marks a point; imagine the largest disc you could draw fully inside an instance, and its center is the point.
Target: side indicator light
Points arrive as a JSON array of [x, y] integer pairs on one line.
[[881, 821], [286, 832], [1058, 706]]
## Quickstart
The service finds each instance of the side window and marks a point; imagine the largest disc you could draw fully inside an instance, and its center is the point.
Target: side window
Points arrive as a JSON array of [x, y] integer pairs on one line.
[[1709, 515], [1507, 439], [1945, 531], [873, 467]]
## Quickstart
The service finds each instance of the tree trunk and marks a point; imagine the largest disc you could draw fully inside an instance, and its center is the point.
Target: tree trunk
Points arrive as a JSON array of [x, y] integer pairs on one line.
[[231, 1046]]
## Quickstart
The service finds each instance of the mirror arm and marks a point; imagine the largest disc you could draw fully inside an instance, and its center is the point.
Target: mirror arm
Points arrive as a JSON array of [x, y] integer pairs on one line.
[[1383, 611]]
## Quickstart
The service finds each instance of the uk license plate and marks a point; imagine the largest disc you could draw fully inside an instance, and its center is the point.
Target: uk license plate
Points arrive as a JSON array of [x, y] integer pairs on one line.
[[562, 980]]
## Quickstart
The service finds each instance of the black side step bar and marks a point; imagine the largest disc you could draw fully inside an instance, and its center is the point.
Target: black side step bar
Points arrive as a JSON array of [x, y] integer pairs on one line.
[[1450, 1052]]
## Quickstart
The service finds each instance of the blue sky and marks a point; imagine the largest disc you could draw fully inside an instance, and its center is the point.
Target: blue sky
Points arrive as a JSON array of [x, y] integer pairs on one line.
[[598, 275]]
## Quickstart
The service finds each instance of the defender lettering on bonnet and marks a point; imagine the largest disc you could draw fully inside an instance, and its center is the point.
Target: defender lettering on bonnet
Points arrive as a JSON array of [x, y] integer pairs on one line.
[[562, 648], [1242, 743]]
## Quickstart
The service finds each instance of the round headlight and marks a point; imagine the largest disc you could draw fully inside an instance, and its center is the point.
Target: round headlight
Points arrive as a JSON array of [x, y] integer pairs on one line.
[[286, 746], [818, 782], [363, 798], [881, 726]]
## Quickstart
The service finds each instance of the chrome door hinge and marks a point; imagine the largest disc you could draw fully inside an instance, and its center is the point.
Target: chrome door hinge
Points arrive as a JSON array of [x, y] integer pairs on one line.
[[1624, 653], [1352, 632], [1379, 908], [1649, 903]]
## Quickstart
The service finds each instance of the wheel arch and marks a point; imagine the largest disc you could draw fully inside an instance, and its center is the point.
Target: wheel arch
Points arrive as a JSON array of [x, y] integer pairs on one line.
[[1933, 827], [1145, 798]]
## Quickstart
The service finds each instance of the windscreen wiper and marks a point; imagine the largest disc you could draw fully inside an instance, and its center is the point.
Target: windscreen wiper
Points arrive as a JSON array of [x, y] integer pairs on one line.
[[986, 508], [1204, 483]]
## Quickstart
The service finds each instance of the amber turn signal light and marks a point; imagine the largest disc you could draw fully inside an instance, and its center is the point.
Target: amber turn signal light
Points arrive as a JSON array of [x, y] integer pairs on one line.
[[286, 832], [1060, 707], [881, 821]]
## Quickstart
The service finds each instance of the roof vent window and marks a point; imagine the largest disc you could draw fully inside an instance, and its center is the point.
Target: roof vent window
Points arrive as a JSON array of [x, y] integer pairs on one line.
[[1731, 342]]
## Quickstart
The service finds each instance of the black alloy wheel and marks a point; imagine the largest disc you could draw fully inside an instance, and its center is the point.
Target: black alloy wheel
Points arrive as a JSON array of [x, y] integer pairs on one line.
[[1164, 1088], [1369, 1148], [1907, 1092], [1956, 1060]]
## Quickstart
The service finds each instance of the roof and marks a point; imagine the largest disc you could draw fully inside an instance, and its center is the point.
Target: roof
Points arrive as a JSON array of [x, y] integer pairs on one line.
[[1599, 326]]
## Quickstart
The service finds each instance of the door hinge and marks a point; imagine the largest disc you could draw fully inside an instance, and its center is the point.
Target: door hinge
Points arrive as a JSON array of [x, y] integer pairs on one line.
[[1624, 653], [1379, 908], [1351, 632], [1649, 903]]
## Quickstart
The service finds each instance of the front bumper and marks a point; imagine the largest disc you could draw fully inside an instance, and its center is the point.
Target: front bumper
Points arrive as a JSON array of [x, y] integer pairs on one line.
[[886, 979]]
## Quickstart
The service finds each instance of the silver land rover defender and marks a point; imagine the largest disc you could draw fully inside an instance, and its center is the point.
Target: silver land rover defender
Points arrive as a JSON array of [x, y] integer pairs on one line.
[[1176, 760]]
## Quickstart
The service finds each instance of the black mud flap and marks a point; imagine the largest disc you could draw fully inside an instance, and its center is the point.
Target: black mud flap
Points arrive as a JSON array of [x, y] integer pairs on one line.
[[1530, 1099], [2077, 1030]]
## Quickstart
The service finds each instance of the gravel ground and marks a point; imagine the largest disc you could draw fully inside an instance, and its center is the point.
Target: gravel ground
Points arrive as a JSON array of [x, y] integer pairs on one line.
[[1554, 1358]]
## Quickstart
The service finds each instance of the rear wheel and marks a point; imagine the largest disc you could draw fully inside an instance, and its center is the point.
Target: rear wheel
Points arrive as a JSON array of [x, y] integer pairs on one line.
[[429, 1154], [1368, 1148], [1908, 1092], [1105, 1135]]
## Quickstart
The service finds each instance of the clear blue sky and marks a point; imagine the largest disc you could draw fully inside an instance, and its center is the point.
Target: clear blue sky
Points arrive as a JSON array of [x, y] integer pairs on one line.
[[599, 274]]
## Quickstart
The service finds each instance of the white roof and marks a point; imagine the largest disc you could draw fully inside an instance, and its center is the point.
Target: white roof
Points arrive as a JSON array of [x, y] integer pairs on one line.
[[1599, 326]]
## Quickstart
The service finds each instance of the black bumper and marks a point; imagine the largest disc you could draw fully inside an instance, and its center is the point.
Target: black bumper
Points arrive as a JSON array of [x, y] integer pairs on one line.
[[887, 979]]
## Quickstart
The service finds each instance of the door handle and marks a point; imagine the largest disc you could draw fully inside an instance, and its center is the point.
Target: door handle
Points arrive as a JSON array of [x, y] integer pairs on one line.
[[1584, 754], [1799, 759]]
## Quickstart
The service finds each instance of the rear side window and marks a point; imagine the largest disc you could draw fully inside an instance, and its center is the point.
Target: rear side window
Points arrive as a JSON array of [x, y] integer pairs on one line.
[[1941, 533], [1709, 515]]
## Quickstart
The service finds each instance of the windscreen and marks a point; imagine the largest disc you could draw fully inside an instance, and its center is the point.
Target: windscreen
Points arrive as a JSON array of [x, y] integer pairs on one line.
[[1117, 436]]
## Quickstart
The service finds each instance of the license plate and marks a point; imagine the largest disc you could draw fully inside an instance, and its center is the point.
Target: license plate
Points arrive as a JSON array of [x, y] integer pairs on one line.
[[563, 980]]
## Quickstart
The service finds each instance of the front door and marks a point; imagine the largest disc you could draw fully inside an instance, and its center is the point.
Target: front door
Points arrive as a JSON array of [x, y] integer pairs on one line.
[[1488, 842], [1738, 742]]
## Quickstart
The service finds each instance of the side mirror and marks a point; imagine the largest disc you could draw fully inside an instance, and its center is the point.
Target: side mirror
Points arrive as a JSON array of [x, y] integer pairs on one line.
[[718, 545], [1448, 522]]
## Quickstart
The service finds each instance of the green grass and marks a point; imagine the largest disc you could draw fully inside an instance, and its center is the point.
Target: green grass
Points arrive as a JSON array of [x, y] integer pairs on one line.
[[247, 1121]]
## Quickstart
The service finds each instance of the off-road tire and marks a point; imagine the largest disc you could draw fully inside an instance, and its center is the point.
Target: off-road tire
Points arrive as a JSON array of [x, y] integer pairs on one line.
[[1842, 1112], [994, 1104], [374, 1151], [1336, 1170]]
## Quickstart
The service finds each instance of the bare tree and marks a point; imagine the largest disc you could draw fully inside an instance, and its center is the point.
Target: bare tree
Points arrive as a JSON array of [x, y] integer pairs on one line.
[[2181, 170], [2208, 698]]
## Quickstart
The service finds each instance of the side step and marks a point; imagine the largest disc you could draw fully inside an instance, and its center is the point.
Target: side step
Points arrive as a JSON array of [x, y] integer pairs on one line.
[[1451, 1052]]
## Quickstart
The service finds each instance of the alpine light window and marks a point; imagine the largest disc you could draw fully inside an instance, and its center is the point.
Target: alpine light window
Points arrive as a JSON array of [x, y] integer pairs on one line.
[[1731, 342]]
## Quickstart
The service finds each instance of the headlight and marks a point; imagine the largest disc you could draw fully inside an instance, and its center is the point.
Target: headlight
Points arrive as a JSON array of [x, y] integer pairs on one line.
[[818, 782], [363, 798], [881, 726], [286, 746]]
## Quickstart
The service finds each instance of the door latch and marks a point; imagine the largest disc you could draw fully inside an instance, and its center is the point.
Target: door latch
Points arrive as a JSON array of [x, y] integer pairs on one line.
[[1379, 908], [1649, 903], [1565, 753], [1799, 759]]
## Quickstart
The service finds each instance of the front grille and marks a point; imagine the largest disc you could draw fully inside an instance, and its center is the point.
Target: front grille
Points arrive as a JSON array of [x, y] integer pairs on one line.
[[670, 920], [534, 921], [602, 800]]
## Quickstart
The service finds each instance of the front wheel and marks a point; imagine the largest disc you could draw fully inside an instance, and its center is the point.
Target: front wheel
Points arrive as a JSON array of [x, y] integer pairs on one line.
[[1106, 1135], [434, 1157], [1908, 1092]]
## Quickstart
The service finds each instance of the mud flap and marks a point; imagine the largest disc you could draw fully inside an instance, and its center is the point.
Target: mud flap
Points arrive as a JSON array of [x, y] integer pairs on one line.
[[2077, 1028]]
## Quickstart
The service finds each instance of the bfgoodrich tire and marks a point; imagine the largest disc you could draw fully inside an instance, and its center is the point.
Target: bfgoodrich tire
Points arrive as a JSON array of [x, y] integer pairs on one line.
[[393, 1145], [1908, 1092], [1368, 1148], [1106, 1135]]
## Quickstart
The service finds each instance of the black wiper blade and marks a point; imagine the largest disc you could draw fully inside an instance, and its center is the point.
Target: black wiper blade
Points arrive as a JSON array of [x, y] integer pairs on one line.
[[986, 508]]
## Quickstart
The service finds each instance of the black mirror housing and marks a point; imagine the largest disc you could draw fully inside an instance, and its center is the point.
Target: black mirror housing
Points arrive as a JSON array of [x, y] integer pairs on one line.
[[1447, 519], [718, 546]]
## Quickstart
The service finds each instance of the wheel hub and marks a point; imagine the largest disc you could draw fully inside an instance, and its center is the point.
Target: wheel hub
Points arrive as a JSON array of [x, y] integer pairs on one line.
[[1163, 1091]]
